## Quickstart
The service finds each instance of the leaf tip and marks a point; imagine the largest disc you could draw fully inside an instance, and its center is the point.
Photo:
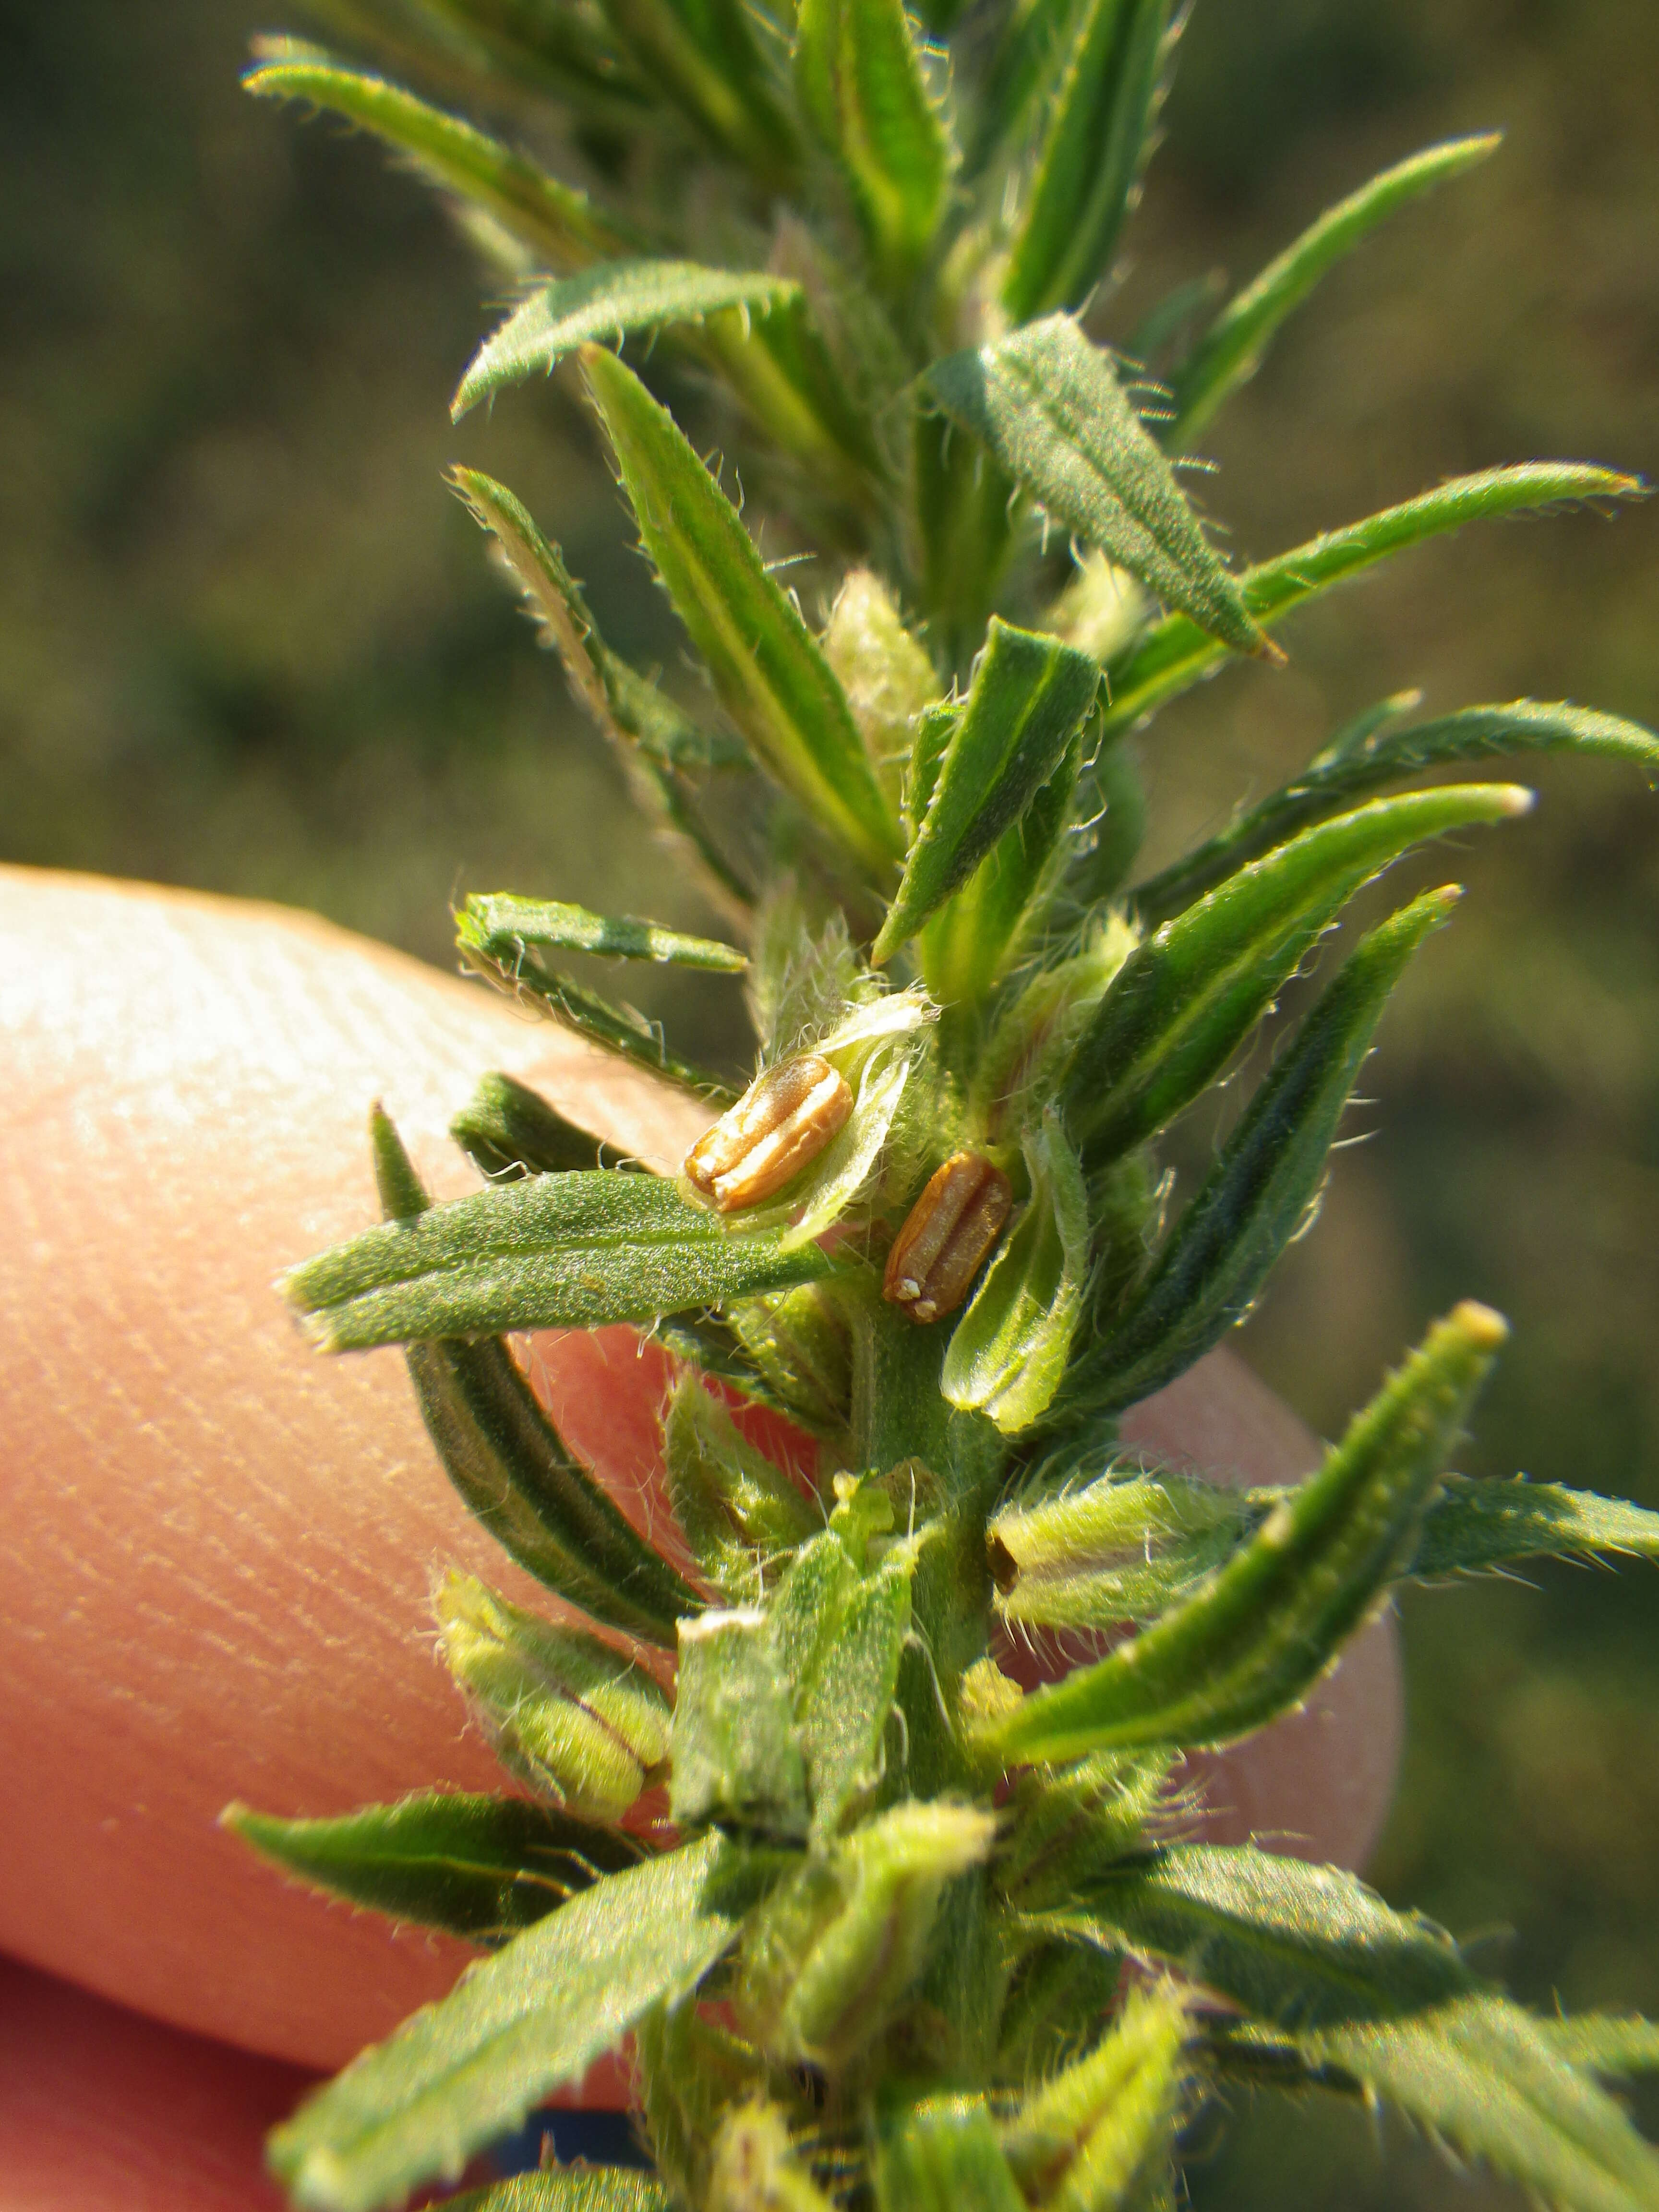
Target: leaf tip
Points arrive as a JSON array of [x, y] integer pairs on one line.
[[1512, 798], [1482, 1327]]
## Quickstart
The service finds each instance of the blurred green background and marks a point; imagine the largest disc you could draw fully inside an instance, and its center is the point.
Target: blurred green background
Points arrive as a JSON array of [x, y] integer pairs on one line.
[[248, 641]]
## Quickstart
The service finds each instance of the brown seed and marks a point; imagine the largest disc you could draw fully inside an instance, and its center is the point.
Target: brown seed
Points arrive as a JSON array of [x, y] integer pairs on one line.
[[785, 1118], [947, 1236]]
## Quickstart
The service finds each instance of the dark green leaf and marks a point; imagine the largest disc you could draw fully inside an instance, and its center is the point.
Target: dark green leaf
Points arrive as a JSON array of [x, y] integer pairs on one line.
[[1176, 653], [1185, 999], [508, 1130], [569, 1251], [704, 57], [519, 2026], [502, 927], [1231, 350], [618, 300], [481, 1868], [1253, 1641], [1049, 406], [1304, 1947], [555, 223], [943, 2156], [615, 1029], [767, 668], [1361, 759], [1029, 696], [786, 377], [548, 48], [1257, 1195], [981, 930], [1472, 1525], [1098, 137], [859, 83]]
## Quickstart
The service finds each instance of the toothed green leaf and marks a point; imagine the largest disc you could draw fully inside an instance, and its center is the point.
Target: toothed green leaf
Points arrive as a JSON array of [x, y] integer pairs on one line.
[[569, 1251], [1176, 653], [1381, 752], [1009, 1350], [858, 80], [618, 299], [1254, 1641], [557, 224], [532, 2019], [1028, 57], [1100, 120], [767, 668], [1187, 997], [1231, 350], [502, 928], [1029, 696], [481, 1868], [1050, 407], [508, 1130], [1489, 1524], [1257, 1197]]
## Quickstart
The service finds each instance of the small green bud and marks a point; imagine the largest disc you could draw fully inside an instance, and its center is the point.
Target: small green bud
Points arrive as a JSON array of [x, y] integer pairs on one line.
[[834, 1950], [737, 1758], [737, 1508], [886, 674], [1119, 1549], [1096, 2132], [568, 1714], [756, 2167]]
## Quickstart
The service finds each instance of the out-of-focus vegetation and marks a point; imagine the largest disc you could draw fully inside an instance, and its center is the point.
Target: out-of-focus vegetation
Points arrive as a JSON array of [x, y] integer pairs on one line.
[[247, 642]]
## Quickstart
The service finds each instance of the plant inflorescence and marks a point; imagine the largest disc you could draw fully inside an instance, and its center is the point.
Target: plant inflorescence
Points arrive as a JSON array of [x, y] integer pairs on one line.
[[884, 1926]]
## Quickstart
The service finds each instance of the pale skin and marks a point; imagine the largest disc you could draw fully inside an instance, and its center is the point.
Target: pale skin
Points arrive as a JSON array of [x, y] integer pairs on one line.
[[217, 1546]]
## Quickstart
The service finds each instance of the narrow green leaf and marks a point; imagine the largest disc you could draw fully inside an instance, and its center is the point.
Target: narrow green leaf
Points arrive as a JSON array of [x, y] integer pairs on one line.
[[1474, 1525], [508, 1130], [1029, 696], [767, 668], [1485, 2078], [964, 504], [943, 2156], [737, 1757], [1176, 653], [502, 927], [519, 2026], [1125, 1547], [1097, 2135], [704, 57], [1088, 169], [1187, 997], [569, 2189], [569, 1251], [1304, 1947], [626, 705], [1363, 758], [858, 80], [508, 1462], [1603, 2043], [1231, 350], [618, 300], [565, 1712], [1050, 407], [1257, 1195], [979, 931], [1010, 1349], [558, 225], [1255, 1640], [480, 1868]]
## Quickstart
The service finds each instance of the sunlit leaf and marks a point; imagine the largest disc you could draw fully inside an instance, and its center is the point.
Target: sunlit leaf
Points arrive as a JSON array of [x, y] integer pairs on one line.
[[1030, 694], [1187, 996], [534, 2017], [1489, 1524], [481, 1868], [1095, 2135], [1383, 753], [1050, 407], [502, 927], [767, 668], [508, 1130], [1231, 350], [1254, 1640], [1175, 653], [1125, 1547], [858, 80], [979, 931]]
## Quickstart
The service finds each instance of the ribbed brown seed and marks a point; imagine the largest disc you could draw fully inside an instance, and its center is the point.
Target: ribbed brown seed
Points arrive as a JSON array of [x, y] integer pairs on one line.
[[947, 1236], [785, 1118]]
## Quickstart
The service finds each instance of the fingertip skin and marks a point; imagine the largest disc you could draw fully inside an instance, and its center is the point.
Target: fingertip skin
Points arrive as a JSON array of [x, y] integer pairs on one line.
[[217, 1546]]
